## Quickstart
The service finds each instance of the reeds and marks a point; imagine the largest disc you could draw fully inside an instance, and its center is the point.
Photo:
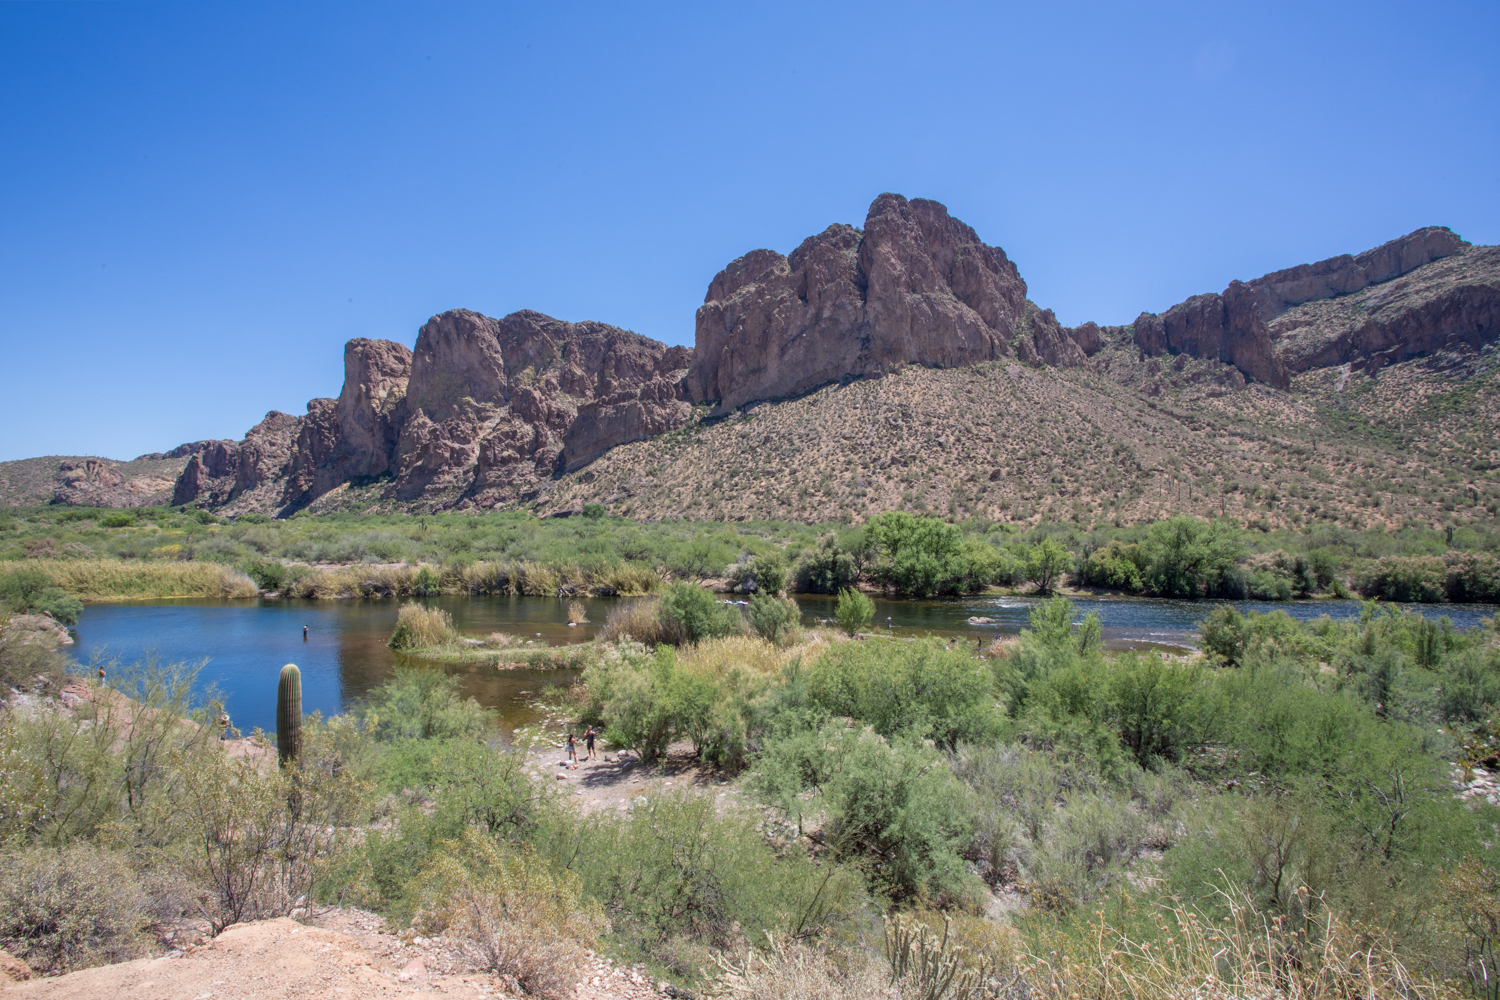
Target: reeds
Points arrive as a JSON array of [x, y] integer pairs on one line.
[[419, 627], [640, 621], [116, 580]]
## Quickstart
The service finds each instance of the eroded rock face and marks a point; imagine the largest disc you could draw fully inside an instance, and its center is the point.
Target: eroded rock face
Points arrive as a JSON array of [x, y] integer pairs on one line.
[[1443, 305], [914, 286], [1237, 326], [481, 408]]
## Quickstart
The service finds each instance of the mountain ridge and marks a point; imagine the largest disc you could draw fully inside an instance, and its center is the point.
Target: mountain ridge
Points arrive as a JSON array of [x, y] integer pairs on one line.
[[490, 412]]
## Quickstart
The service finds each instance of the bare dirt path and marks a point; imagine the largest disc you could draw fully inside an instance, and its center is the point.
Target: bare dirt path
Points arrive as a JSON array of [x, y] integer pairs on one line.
[[346, 955]]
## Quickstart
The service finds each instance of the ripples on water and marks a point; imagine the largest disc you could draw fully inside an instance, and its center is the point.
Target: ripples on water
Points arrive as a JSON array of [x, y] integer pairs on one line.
[[344, 656]]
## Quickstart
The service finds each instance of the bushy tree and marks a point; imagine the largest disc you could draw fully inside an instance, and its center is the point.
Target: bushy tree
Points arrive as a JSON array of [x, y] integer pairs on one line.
[[1045, 564], [772, 617], [854, 611], [698, 613], [1186, 557]]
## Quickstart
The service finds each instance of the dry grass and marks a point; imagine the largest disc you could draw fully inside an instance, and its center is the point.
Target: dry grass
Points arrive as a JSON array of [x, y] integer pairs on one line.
[[797, 971], [354, 581], [640, 621], [1248, 954], [419, 627], [749, 653], [118, 580], [577, 614]]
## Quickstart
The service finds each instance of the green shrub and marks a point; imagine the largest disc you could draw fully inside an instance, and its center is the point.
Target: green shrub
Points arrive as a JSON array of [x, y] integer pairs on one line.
[[770, 573], [1052, 625], [677, 867], [699, 614], [119, 519], [921, 556], [891, 805], [30, 591], [61, 605], [1472, 577], [1407, 579], [920, 688], [72, 908], [1045, 564], [854, 611], [594, 511], [426, 583], [1266, 585], [1117, 566], [772, 618], [1186, 557], [422, 704], [827, 569], [1156, 706]]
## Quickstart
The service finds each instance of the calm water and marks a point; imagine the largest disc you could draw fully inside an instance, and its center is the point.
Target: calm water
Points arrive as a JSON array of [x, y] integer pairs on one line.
[[245, 643]]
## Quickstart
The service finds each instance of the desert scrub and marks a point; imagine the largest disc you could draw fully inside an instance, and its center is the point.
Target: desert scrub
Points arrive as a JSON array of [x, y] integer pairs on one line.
[[112, 580], [72, 908], [419, 627], [510, 910]]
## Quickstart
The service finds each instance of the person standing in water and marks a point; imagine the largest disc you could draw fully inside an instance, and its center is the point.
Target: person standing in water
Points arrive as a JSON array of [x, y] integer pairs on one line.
[[304, 633]]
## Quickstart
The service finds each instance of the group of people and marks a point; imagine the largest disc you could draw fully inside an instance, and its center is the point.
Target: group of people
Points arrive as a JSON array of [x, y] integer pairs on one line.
[[588, 741]]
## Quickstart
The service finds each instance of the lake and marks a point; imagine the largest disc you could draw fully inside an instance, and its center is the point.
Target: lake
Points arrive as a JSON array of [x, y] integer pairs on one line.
[[245, 643]]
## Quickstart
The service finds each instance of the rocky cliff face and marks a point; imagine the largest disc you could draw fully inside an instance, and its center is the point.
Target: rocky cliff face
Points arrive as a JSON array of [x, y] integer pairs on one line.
[[1239, 326], [481, 408], [915, 286]]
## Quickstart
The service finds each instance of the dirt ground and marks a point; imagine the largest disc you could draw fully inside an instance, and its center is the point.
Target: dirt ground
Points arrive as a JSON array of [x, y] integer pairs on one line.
[[613, 780], [345, 954]]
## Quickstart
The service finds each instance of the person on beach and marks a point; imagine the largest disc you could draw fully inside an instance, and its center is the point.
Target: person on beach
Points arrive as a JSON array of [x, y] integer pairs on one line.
[[588, 742], [572, 749]]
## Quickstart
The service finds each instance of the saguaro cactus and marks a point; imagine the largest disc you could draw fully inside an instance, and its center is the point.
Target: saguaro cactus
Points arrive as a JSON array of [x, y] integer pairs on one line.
[[289, 715]]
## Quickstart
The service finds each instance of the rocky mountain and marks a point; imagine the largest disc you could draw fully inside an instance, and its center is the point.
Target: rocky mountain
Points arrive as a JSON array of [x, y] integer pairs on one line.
[[499, 412], [481, 406]]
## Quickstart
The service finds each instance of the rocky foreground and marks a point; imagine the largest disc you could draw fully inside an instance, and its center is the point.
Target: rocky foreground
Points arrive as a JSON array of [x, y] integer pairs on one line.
[[342, 953]]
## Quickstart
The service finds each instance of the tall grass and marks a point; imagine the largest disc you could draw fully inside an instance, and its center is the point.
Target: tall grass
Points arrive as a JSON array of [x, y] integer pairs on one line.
[[1247, 953], [640, 621], [115, 580], [526, 579], [418, 627]]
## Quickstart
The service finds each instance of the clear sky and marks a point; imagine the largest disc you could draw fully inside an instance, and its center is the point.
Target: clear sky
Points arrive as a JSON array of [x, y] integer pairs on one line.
[[200, 202]]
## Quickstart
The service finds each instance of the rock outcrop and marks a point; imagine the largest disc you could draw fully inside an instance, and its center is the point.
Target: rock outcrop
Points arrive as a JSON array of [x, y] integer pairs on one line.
[[1238, 325], [915, 286], [481, 408]]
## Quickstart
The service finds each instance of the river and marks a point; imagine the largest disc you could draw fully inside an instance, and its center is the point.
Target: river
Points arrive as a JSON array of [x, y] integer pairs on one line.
[[344, 655]]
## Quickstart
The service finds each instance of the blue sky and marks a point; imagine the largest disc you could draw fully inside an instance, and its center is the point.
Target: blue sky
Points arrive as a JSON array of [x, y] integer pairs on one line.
[[199, 203]]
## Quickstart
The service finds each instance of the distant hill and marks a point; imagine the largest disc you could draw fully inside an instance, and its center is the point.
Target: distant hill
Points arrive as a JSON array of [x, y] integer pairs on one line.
[[902, 366], [89, 481]]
